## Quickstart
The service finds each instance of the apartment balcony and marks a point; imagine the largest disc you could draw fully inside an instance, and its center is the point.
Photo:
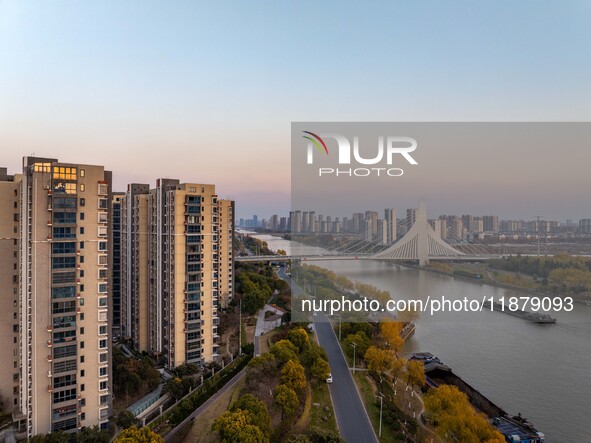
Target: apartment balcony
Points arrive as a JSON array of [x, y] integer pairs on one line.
[[49, 358], [49, 328]]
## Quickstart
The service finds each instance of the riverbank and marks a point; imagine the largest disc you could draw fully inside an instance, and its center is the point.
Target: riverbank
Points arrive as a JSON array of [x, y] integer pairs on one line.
[[493, 283]]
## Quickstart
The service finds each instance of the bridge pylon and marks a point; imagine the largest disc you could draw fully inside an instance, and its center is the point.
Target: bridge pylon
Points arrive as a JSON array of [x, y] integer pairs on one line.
[[419, 243]]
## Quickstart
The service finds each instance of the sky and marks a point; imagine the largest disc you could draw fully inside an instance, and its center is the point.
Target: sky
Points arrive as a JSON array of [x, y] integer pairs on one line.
[[207, 91]]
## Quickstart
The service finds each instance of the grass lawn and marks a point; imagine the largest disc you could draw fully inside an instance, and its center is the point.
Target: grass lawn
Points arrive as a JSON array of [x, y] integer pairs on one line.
[[200, 431], [321, 397], [372, 404]]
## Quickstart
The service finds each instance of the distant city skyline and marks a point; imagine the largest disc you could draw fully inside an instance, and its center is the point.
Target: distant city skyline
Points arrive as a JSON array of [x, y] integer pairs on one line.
[[195, 102]]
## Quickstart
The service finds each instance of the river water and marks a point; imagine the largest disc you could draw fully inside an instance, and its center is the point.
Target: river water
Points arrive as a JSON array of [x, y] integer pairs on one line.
[[542, 371]]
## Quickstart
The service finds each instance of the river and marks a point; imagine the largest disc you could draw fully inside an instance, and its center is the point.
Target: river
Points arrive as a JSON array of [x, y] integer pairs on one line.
[[542, 371]]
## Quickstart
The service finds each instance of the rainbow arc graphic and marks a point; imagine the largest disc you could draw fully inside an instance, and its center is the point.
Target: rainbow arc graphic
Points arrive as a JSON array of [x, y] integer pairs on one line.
[[316, 140]]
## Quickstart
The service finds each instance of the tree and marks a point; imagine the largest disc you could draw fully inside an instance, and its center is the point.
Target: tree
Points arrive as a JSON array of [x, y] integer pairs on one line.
[[312, 353], [126, 419], [258, 412], [283, 351], [52, 437], [415, 373], [92, 435], [320, 370], [174, 387], [379, 360], [135, 435], [299, 338], [236, 427], [361, 344], [454, 416], [286, 399], [230, 422], [390, 331], [292, 376], [318, 435]]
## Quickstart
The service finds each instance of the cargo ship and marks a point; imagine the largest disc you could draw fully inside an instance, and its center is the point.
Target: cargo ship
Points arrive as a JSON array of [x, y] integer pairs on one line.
[[514, 428], [529, 316]]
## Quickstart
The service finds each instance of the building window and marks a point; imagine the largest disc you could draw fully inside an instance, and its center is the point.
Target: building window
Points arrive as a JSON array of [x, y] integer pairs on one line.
[[102, 189], [102, 203], [102, 217], [103, 399], [103, 330], [103, 386], [82, 187], [102, 231], [102, 246], [102, 288], [81, 231], [82, 202], [103, 372], [68, 394], [82, 216], [82, 172]]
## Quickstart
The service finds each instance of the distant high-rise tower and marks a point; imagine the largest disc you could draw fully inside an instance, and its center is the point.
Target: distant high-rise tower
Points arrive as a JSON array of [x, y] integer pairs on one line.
[[411, 215], [391, 225]]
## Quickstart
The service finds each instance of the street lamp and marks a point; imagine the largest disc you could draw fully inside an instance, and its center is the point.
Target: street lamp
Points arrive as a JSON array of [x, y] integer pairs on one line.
[[381, 396], [354, 348]]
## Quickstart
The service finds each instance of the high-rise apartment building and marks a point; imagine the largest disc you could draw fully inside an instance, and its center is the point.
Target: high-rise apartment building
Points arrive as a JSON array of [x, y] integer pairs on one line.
[[10, 336], [179, 269], [490, 223], [118, 211], [585, 226], [55, 295]]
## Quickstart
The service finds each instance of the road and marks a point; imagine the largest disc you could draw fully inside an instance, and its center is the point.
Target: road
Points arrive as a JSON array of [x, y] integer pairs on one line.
[[352, 420], [204, 406], [354, 424]]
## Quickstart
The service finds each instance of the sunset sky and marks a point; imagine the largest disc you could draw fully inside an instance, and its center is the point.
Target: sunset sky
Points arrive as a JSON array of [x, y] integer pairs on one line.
[[207, 91]]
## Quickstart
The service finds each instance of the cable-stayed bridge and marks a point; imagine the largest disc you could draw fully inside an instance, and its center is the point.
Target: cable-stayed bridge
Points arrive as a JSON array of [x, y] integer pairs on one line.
[[420, 243]]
